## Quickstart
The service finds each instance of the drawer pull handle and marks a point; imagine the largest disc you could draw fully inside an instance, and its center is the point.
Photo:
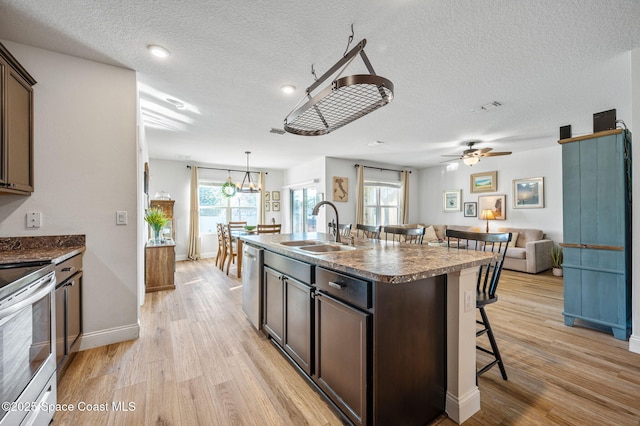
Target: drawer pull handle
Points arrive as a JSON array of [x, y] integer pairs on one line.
[[336, 285], [68, 269]]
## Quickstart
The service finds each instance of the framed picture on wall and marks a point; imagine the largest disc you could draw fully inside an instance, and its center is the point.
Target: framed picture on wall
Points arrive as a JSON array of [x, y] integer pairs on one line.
[[275, 195], [528, 193], [340, 188], [276, 206], [451, 200], [484, 182], [266, 206], [495, 203], [266, 196], [470, 209]]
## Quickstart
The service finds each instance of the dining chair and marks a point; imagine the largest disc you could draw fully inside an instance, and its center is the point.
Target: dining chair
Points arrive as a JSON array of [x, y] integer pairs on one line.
[[269, 229], [404, 235], [221, 248], [487, 284], [230, 249], [345, 229], [368, 231], [236, 226]]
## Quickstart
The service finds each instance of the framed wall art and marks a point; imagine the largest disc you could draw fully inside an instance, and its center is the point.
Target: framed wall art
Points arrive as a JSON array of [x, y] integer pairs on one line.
[[528, 193], [266, 196], [340, 188], [451, 200], [495, 203], [484, 182], [470, 209], [275, 195], [276, 206], [266, 206]]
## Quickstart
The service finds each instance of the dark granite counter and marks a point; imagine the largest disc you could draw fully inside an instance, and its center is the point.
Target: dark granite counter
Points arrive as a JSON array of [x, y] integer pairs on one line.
[[381, 261], [54, 249]]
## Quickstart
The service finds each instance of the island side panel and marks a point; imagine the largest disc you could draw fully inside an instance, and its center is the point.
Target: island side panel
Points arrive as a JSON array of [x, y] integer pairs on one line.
[[409, 351], [463, 396]]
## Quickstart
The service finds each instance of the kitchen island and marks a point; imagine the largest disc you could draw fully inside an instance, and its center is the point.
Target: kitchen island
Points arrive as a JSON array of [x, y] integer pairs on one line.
[[381, 329]]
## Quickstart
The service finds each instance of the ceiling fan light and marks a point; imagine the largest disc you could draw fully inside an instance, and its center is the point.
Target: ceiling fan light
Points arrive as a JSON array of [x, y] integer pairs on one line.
[[470, 161]]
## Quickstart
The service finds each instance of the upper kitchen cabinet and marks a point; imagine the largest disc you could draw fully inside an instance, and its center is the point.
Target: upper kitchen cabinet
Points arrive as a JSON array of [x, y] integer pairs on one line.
[[16, 126]]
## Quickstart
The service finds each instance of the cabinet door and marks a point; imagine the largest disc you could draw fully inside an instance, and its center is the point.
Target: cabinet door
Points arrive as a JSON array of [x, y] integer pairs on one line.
[[341, 355], [297, 333], [273, 309], [74, 312], [60, 316], [19, 133]]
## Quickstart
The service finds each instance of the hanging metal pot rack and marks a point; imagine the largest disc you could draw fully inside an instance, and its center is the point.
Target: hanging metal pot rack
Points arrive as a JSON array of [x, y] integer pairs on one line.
[[344, 100]]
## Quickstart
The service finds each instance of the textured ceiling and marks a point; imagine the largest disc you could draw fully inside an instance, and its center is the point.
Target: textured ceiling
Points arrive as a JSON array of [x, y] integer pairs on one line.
[[546, 61]]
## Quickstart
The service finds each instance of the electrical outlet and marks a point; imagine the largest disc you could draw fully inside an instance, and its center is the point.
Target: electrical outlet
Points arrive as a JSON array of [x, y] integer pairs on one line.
[[34, 219], [121, 218], [468, 301]]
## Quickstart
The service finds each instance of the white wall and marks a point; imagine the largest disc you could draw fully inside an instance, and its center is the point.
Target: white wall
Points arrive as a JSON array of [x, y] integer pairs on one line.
[[85, 171], [174, 177], [545, 163]]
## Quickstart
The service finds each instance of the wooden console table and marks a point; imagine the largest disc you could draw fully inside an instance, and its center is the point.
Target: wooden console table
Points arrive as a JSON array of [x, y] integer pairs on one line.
[[160, 266]]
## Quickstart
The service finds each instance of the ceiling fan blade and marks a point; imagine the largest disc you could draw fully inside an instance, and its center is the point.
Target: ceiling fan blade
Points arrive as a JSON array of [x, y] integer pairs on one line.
[[447, 161], [495, 154], [483, 150]]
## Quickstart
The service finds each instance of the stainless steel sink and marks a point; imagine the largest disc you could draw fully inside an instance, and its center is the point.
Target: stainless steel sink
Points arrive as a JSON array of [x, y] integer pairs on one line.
[[300, 243], [326, 248]]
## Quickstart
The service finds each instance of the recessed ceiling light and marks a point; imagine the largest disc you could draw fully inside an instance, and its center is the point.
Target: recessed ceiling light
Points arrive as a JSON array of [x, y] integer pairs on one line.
[[375, 143], [158, 51], [288, 88]]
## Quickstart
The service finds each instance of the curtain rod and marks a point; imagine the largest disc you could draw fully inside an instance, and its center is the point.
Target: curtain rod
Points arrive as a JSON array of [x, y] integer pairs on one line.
[[382, 168], [226, 170]]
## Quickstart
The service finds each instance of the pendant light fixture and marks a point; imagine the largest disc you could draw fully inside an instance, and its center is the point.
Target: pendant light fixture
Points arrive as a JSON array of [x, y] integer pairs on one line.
[[251, 185]]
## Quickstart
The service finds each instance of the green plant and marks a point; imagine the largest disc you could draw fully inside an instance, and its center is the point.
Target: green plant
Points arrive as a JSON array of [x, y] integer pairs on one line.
[[556, 256], [155, 218]]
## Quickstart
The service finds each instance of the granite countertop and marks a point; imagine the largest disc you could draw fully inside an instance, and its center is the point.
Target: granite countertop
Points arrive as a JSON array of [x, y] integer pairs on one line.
[[382, 261], [54, 249]]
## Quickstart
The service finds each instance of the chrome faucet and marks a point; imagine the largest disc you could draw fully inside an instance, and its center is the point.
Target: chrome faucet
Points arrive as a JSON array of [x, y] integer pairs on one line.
[[316, 208]]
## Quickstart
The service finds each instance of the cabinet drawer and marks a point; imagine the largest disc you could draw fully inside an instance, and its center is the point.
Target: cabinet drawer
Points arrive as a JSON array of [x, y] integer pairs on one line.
[[67, 268], [291, 267], [344, 287]]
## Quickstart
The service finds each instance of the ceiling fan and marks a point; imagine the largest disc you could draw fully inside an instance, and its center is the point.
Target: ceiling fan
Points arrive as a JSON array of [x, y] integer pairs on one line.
[[471, 155]]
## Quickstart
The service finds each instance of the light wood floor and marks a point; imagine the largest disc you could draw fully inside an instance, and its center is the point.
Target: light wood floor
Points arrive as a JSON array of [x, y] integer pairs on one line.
[[199, 362]]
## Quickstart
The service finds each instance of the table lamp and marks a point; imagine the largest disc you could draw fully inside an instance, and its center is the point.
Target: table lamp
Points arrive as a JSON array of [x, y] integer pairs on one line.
[[487, 215]]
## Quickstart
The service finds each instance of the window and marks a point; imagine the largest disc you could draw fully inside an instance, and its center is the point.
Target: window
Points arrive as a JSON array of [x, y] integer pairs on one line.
[[381, 203], [302, 202], [214, 208]]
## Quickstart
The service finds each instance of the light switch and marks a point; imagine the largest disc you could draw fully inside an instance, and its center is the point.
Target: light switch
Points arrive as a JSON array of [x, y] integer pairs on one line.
[[34, 219], [121, 218]]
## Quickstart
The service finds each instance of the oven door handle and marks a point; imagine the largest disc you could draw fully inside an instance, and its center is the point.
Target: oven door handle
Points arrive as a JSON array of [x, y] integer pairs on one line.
[[38, 290]]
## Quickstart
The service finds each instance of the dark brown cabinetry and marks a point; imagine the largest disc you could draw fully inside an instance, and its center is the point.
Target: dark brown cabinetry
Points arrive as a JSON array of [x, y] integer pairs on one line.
[[16, 126], [68, 311], [288, 306]]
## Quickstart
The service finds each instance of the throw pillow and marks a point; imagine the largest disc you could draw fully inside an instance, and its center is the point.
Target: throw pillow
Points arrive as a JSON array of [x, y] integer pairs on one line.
[[430, 234], [514, 239]]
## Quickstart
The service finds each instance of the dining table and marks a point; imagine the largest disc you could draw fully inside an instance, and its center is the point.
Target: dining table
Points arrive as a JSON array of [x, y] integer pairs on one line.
[[238, 241]]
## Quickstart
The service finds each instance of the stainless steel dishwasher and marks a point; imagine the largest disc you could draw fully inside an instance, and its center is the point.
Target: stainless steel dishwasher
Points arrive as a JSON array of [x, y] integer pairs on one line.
[[252, 261]]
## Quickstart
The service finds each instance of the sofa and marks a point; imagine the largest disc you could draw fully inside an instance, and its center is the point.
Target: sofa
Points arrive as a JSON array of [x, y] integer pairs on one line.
[[529, 250]]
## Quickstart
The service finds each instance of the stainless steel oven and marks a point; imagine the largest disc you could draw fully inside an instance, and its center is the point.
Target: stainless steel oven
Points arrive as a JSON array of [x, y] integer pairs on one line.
[[27, 344]]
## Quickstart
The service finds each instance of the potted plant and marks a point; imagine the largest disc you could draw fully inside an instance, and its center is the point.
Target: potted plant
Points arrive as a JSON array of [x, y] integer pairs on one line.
[[157, 220], [556, 259]]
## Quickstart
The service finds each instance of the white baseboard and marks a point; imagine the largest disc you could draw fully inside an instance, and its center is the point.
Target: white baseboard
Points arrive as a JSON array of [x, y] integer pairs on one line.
[[461, 409], [98, 338], [634, 344]]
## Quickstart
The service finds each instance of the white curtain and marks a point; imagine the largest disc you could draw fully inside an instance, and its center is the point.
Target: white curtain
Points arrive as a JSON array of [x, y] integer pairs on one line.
[[193, 248], [261, 210], [360, 194], [404, 181]]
